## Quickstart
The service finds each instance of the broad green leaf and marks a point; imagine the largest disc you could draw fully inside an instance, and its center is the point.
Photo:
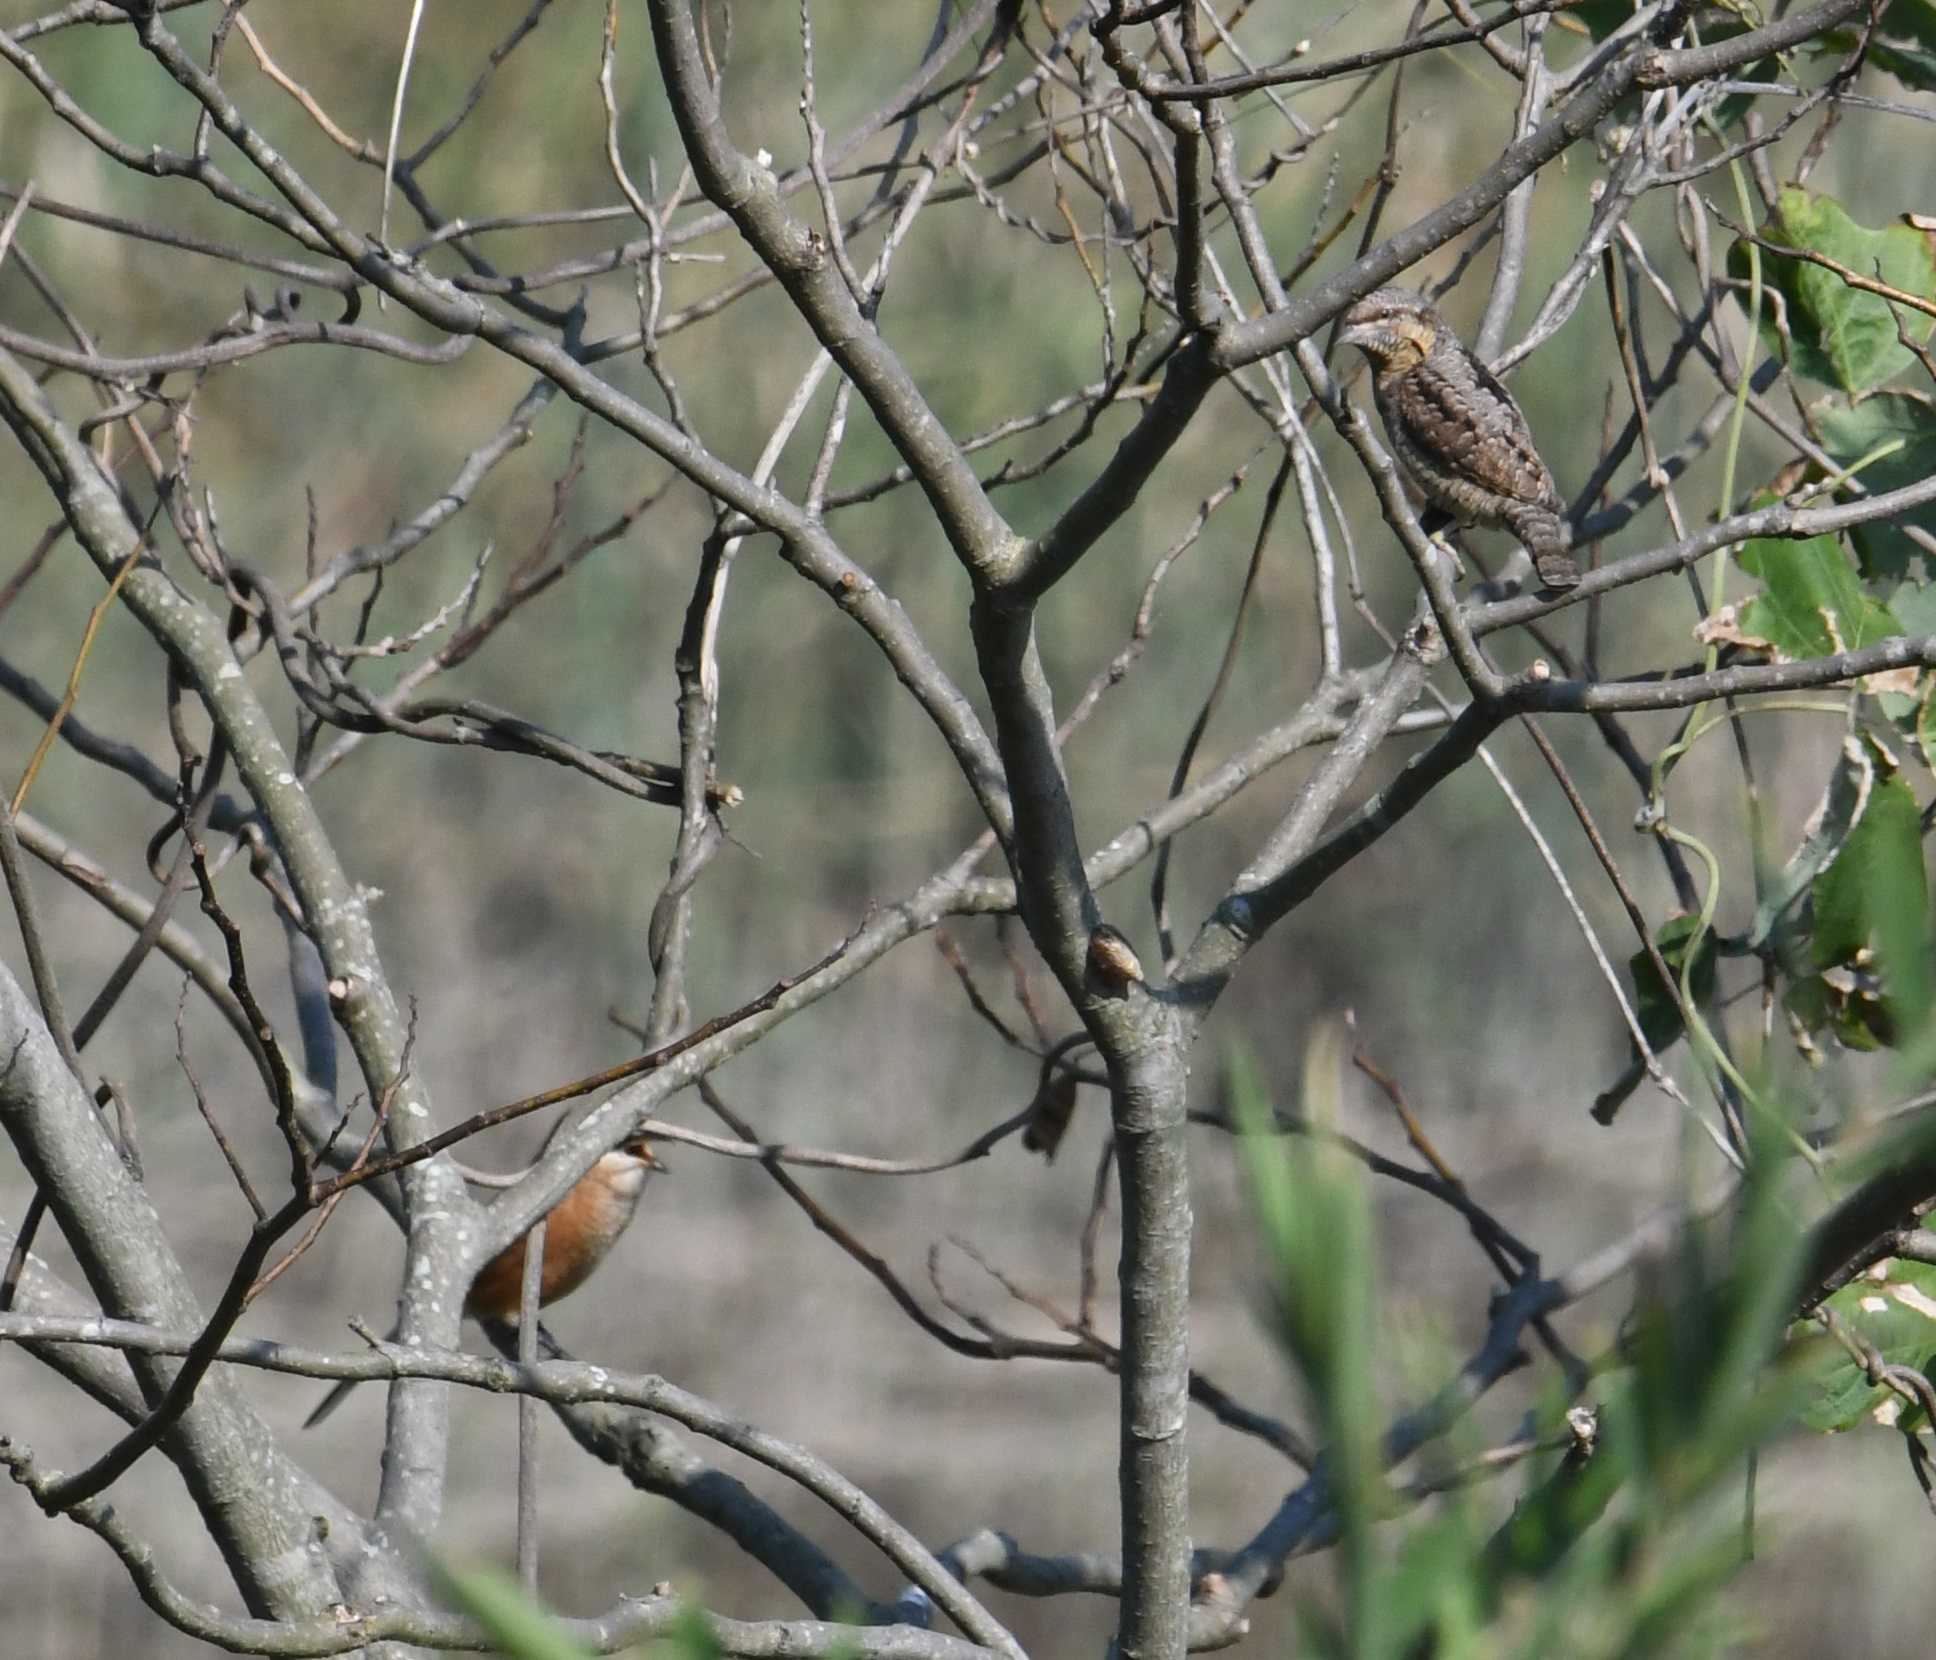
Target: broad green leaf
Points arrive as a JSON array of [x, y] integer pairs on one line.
[[1914, 19], [1904, 43], [1839, 334], [1836, 815], [1599, 17], [1657, 1007], [1888, 842], [1893, 1307], [1911, 65], [1914, 604], [1907, 421], [1926, 726], [1812, 604], [1871, 924], [1660, 1006]]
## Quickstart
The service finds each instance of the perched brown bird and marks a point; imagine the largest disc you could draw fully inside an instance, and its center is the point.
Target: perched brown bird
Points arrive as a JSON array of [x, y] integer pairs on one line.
[[1456, 430], [1049, 1114], [579, 1232]]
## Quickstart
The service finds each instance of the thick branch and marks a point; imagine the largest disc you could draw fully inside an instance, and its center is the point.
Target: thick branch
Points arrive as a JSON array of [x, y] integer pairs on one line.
[[252, 1499], [799, 257]]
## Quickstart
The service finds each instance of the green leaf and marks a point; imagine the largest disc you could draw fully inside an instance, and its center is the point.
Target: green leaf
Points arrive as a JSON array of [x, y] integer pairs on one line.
[[1904, 43], [1829, 827], [1812, 604], [1907, 421], [1914, 606], [1316, 1219], [692, 1639], [1892, 1307], [1910, 65], [522, 1630], [1838, 334], [1702, 1348], [1434, 1597], [1915, 19], [517, 1624], [1887, 843], [1926, 726], [1601, 17], [1871, 923], [1658, 1006]]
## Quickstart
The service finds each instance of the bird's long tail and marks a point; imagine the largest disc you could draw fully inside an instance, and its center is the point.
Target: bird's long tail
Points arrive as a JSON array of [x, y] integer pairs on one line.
[[1546, 536]]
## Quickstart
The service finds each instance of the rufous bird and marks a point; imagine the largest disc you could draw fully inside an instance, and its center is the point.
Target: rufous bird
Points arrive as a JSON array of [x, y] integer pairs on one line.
[[580, 1231]]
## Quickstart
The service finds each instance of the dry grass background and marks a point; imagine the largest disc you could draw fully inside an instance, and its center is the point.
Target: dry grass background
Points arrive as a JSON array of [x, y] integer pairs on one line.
[[514, 901]]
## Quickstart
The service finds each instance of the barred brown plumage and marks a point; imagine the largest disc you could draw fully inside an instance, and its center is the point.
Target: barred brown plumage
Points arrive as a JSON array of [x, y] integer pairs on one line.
[[1456, 430]]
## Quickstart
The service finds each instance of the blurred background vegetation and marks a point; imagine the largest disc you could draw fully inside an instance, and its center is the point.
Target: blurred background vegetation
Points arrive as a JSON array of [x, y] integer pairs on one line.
[[515, 896]]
